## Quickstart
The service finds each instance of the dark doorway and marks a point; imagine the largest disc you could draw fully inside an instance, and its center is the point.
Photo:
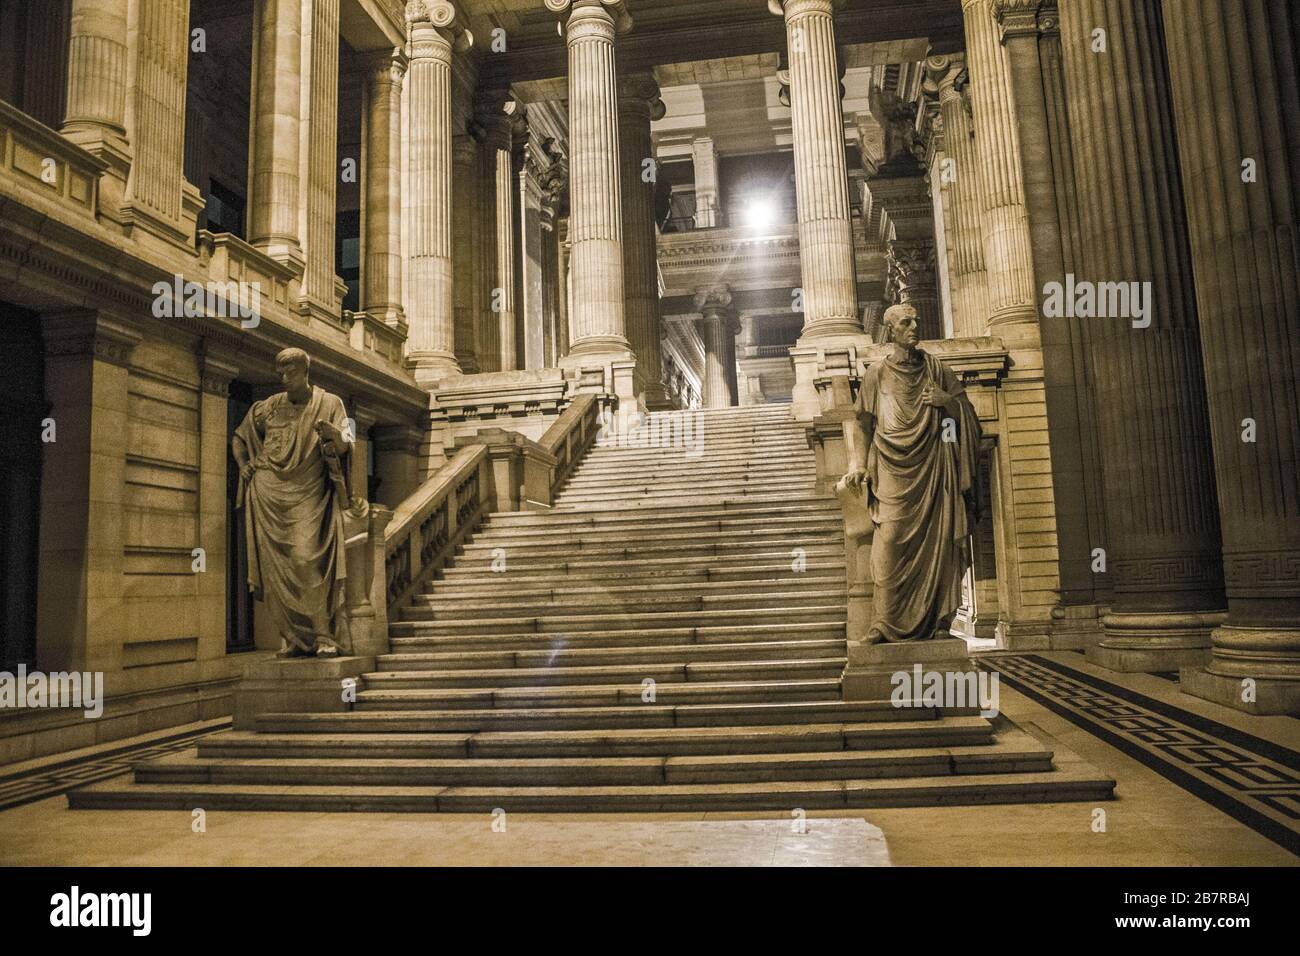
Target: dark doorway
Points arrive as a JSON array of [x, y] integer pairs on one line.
[[239, 603], [20, 483]]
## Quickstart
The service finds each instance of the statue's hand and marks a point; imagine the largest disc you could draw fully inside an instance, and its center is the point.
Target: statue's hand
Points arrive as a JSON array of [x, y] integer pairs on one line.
[[246, 472], [935, 396], [853, 480]]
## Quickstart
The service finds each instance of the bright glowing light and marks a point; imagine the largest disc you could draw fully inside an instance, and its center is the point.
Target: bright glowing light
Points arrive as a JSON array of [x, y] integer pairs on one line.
[[760, 214]]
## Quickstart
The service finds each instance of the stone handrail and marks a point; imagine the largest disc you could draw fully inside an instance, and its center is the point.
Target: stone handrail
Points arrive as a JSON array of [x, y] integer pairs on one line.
[[428, 527], [572, 434]]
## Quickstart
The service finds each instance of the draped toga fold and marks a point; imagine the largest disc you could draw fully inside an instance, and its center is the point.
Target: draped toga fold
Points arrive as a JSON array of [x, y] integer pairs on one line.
[[294, 518], [920, 491]]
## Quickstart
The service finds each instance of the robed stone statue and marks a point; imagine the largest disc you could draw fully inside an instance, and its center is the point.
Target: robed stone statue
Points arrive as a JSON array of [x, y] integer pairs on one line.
[[292, 451], [913, 455]]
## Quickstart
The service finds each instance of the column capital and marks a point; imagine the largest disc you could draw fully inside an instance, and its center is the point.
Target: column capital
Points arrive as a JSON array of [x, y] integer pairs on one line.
[[614, 10], [494, 112], [1017, 17], [639, 92], [714, 299], [217, 368], [386, 66], [428, 18], [793, 8], [946, 75], [87, 332]]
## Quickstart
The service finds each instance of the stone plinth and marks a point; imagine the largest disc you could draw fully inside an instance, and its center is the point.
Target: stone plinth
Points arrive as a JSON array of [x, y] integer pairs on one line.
[[871, 668], [307, 685]]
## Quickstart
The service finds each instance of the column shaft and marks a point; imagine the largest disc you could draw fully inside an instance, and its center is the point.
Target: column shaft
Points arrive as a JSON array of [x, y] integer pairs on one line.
[[319, 279], [1237, 103], [431, 312], [639, 105], [97, 59], [821, 173], [381, 279], [465, 242], [1163, 553], [597, 317], [276, 129]]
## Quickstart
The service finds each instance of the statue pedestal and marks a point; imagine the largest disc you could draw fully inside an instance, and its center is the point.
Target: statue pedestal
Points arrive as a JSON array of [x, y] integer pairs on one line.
[[871, 668], [313, 685]]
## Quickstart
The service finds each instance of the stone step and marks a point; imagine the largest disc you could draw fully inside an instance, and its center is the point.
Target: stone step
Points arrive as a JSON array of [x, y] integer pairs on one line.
[[426, 608], [734, 560], [571, 657], [821, 531], [812, 508], [719, 617], [737, 482], [670, 547], [614, 638], [760, 461], [657, 715], [632, 672], [721, 498], [995, 758], [634, 485], [636, 742], [1056, 786], [821, 574], [641, 526], [600, 695]]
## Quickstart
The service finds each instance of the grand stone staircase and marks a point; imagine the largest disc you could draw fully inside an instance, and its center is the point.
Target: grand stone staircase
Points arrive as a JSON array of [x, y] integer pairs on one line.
[[669, 637]]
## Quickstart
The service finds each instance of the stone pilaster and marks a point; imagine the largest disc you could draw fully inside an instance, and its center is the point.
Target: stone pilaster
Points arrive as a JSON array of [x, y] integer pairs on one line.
[[80, 616], [381, 275], [465, 245], [397, 462], [718, 328], [597, 307], [1007, 256], [273, 217], [1234, 61], [946, 76], [95, 118], [708, 204], [638, 106], [319, 285], [821, 173], [1163, 551], [431, 313], [562, 284]]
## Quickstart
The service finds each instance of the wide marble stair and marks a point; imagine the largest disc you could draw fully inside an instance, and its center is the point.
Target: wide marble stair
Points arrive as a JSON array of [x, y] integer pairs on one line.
[[669, 637]]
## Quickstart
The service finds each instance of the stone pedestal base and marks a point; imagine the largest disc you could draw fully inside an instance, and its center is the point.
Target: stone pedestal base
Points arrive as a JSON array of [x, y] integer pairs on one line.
[[1149, 643], [298, 685], [1075, 627], [1265, 696], [871, 667]]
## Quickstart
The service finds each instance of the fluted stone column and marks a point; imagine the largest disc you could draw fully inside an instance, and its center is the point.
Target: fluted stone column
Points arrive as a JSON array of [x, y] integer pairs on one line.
[[381, 277], [563, 285], [528, 249], [718, 328], [914, 267], [273, 219], [95, 117], [708, 205], [597, 307], [319, 281], [1237, 103], [1007, 257], [821, 173], [638, 106], [431, 312], [465, 240], [493, 111], [1163, 550], [947, 77]]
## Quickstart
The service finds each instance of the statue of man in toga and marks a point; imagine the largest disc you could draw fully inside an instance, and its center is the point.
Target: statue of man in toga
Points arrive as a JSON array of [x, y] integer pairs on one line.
[[913, 454], [292, 452]]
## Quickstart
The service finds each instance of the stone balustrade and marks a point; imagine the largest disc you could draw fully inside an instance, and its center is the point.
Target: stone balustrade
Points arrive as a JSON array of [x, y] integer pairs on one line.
[[41, 161]]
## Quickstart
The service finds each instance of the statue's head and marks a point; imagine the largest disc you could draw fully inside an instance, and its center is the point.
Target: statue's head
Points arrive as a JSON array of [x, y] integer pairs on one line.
[[293, 366], [901, 325]]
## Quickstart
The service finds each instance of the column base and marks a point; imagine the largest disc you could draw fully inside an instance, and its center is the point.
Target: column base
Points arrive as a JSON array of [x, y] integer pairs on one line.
[[870, 673], [432, 369], [1075, 627], [1260, 696], [308, 685], [1149, 643], [1253, 669], [657, 398], [817, 355]]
